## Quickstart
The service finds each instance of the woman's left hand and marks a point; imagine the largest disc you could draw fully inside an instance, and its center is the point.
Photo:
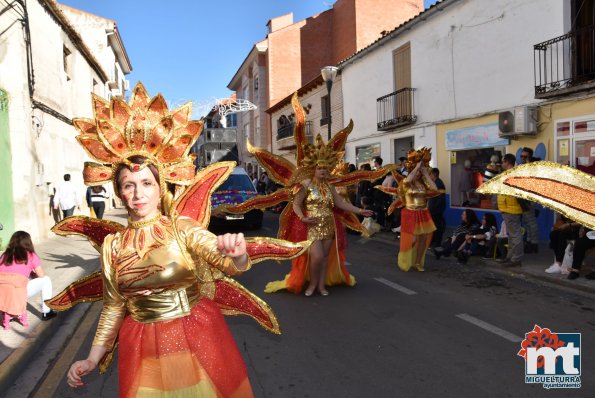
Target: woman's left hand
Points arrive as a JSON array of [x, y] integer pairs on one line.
[[232, 245], [367, 213]]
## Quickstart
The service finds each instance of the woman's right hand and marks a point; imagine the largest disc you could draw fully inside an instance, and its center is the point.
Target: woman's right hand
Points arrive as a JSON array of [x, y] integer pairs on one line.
[[308, 220], [78, 369]]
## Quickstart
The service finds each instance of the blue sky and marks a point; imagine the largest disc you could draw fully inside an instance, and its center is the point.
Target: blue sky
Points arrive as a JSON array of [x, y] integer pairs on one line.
[[189, 50]]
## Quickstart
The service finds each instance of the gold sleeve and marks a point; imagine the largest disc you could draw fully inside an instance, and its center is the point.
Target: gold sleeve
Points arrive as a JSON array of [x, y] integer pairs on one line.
[[114, 305], [202, 243]]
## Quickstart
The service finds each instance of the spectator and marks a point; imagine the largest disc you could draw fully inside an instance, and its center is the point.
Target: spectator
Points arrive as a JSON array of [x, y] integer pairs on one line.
[[581, 246], [369, 222], [54, 212], [529, 216], [469, 223], [379, 198], [502, 241], [437, 206], [18, 261], [480, 241], [67, 197], [563, 231], [511, 211], [492, 169], [466, 184], [364, 188], [403, 168], [97, 197], [255, 180], [262, 184]]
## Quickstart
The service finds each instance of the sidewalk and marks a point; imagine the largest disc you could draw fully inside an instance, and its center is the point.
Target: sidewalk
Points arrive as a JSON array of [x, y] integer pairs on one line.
[[64, 259], [533, 267]]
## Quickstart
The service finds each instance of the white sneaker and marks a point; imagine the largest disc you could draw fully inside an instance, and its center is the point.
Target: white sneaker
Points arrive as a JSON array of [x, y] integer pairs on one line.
[[397, 229], [554, 269]]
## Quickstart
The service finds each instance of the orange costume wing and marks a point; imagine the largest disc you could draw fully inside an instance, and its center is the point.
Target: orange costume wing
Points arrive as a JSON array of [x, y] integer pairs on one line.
[[564, 189]]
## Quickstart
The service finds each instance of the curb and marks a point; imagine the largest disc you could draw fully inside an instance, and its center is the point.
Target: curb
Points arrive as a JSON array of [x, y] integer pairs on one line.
[[12, 367], [518, 272]]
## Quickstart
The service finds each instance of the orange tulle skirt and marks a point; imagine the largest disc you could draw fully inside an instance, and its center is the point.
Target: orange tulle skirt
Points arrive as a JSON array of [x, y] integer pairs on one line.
[[336, 272], [415, 225], [194, 356]]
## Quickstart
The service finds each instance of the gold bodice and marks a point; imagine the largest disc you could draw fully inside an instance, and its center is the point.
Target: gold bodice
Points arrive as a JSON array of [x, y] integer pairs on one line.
[[319, 205], [157, 273], [415, 197]]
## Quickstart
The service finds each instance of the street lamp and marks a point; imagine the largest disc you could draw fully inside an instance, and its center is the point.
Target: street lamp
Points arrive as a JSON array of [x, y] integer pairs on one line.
[[328, 75]]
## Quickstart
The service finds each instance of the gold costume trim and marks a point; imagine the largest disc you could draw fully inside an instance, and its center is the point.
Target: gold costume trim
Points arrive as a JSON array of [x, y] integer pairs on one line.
[[143, 223]]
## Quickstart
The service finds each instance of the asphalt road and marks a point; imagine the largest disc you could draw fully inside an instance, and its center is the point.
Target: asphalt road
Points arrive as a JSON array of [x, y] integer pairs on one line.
[[452, 331]]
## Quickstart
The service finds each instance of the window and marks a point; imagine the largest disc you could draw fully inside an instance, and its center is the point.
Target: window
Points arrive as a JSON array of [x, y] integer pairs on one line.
[[365, 154], [67, 61], [256, 88], [95, 89], [575, 143], [324, 111]]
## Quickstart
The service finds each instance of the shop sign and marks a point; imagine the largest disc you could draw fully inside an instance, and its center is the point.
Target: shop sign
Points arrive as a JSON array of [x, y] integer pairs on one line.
[[483, 136]]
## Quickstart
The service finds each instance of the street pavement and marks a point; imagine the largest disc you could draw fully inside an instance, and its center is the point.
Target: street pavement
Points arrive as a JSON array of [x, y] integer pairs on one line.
[[67, 259]]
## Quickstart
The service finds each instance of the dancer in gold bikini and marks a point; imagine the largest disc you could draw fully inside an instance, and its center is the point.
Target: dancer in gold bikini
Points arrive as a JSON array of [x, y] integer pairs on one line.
[[314, 209]]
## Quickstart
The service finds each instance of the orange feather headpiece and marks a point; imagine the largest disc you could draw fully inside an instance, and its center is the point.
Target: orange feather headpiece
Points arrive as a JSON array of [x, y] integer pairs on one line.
[[143, 127]]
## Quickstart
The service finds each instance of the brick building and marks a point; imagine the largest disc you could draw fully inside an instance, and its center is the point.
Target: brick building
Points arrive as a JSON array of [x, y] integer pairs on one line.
[[293, 53]]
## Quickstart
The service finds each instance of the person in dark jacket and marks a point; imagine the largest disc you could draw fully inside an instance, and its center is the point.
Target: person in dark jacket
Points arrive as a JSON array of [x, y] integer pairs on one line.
[[437, 206]]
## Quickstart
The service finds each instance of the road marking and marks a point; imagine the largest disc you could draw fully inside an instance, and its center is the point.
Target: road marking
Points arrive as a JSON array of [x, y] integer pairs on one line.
[[490, 328], [268, 229], [395, 286], [347, 263]]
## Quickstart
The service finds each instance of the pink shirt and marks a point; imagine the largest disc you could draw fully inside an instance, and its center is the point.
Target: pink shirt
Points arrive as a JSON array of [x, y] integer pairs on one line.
[[23, 269]]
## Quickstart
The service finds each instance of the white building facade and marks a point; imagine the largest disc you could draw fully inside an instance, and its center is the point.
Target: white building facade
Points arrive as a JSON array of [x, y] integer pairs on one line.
[[449, 73], [48, 68]]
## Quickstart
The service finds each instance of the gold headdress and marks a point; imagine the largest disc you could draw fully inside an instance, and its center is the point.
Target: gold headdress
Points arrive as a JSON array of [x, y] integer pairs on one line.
[[320, 155], [144, 127], [415, 156]]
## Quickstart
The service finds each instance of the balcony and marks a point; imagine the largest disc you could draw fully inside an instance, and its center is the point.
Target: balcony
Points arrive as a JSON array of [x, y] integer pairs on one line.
[[287, 130], [565, 64], [395, 109]]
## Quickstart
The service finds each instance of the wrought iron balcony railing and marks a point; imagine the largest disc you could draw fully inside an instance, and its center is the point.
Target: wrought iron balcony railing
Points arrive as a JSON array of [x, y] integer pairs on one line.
[[395, 109], [565, 63], [287, 130]]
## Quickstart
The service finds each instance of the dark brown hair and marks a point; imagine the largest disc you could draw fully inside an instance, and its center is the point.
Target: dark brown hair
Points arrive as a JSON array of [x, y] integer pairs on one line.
[[18, 249], [136, 159]]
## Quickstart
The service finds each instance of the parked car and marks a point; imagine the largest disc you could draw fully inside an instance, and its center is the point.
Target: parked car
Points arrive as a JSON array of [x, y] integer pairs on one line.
[[236, 189]]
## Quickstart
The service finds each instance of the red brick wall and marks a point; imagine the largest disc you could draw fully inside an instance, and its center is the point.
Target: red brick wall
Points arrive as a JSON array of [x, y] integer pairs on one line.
[[284, 61], [316, 45]]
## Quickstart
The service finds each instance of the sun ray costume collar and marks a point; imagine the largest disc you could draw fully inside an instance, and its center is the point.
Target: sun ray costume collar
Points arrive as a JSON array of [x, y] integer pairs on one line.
[[143, 127]]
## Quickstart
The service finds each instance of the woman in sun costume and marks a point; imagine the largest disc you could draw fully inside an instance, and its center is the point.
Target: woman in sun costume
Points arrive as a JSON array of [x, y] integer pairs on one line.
[[314, 210], [162, 277], [413, 193]]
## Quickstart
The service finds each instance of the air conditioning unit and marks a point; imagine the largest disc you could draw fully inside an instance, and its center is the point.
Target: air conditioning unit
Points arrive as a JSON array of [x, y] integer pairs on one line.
[[112, 84], [116, 92], [221, 135], [522, 120], [126, 84]]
